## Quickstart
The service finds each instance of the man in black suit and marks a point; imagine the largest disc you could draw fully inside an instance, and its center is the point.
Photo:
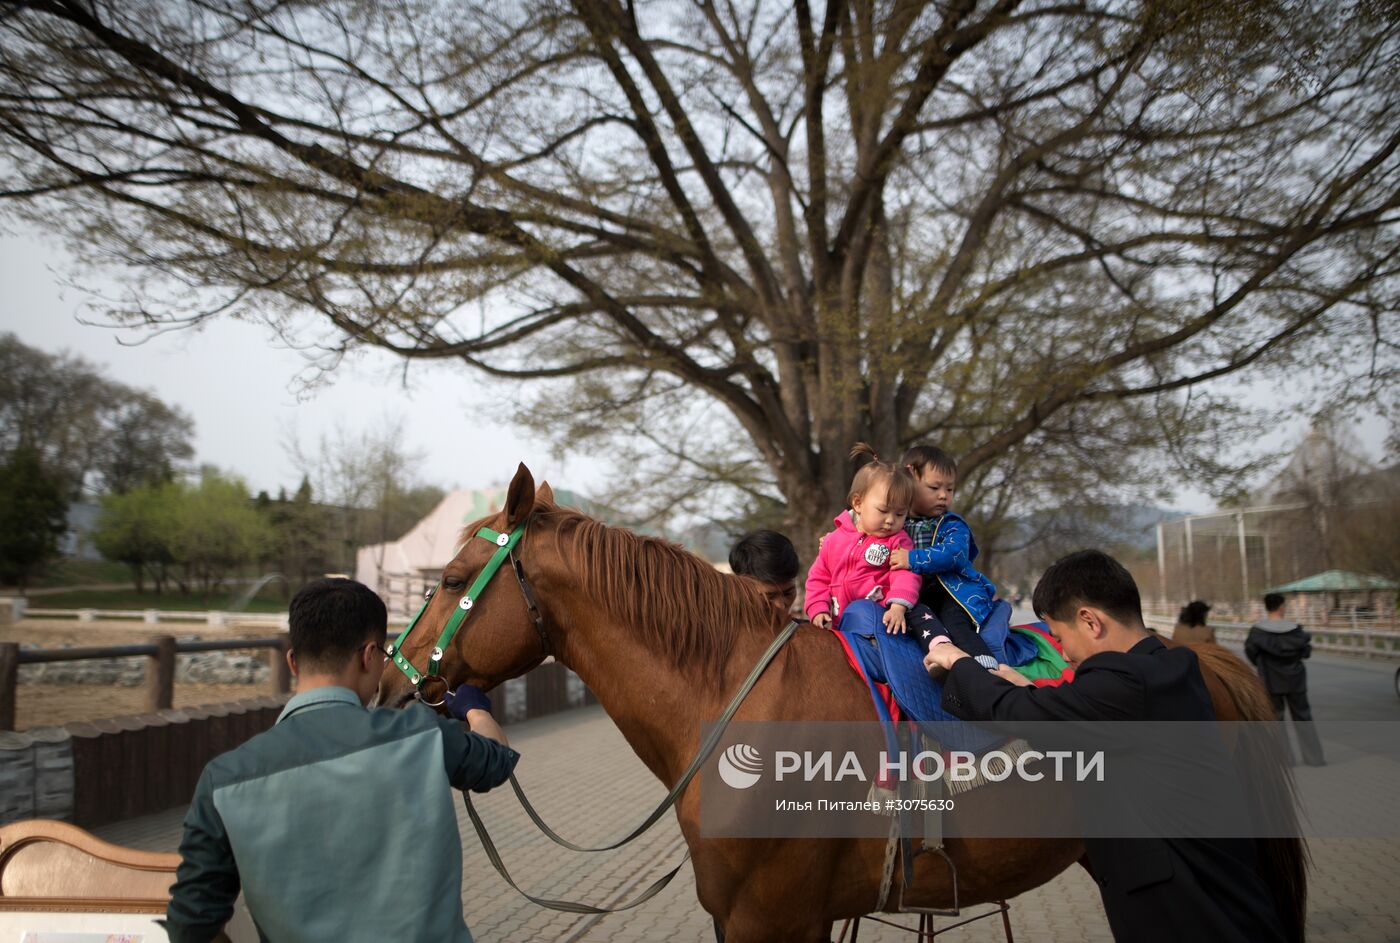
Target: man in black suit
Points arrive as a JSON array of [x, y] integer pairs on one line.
[[1167, 888]]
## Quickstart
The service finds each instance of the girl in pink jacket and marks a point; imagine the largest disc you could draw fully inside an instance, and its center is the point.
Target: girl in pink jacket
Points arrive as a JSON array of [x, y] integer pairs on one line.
[[854, 560]]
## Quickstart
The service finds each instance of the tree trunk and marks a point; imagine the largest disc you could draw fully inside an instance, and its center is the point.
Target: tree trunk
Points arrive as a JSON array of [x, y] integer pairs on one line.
[[814, 500]]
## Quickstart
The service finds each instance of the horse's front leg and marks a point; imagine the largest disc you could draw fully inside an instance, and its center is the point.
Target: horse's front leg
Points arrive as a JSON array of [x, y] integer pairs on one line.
[[774, 926]]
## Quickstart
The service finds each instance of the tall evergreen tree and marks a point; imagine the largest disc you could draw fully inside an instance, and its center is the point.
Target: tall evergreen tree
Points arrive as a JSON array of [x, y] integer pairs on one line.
[[33, 516]]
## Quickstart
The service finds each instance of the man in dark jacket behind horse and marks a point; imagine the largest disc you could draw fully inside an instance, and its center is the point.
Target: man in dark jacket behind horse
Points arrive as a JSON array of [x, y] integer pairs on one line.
[[1277, 648], [1153, 889]]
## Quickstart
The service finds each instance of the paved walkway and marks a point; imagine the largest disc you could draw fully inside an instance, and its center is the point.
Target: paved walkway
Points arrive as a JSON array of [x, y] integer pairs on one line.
[[586, 782]]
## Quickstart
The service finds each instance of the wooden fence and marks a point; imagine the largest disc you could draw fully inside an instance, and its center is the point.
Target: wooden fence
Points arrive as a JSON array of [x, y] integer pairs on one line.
[[110, 769], [277, 620], [159, 653]]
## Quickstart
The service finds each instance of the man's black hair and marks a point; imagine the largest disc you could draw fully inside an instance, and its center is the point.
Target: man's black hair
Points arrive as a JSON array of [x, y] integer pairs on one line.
[[1088, 578], [1194, 612], [1272, 601], [331, 618], [765, 555]]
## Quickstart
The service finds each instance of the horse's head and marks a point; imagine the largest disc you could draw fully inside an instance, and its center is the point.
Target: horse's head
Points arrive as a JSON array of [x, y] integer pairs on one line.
[[497, 636]]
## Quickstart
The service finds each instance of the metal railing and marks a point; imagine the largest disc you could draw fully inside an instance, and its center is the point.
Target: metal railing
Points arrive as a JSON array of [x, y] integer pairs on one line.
[[159, 653], [1311, 616], [1378, 642]]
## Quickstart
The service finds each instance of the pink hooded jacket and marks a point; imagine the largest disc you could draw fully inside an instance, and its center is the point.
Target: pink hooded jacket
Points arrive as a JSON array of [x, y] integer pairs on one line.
[[849, 567]]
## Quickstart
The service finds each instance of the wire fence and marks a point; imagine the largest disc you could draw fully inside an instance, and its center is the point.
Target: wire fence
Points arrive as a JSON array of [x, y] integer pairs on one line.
[[1231, 558]]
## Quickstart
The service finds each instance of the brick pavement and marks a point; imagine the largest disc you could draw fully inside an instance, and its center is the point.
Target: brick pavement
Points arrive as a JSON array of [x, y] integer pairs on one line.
[[589, 786]]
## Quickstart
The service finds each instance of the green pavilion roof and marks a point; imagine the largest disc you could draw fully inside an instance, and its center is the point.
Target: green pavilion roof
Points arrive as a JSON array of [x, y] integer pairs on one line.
[[1336, 581]]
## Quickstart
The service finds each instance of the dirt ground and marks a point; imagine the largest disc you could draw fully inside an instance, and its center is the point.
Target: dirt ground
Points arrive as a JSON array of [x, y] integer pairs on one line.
[[46, 705], [43, 705], [56, 633]]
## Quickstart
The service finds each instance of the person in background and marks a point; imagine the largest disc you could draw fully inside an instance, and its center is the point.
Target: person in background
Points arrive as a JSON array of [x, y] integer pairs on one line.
[[770, 558], [1276, 647], [338, 823], [1191, 623]]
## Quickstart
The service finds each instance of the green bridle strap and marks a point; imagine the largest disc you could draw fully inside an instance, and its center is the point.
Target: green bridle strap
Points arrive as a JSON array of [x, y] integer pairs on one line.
[[505, 543]]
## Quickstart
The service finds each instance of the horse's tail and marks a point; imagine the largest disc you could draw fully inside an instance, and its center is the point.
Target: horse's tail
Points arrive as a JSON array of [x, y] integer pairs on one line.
[[1267, 776]]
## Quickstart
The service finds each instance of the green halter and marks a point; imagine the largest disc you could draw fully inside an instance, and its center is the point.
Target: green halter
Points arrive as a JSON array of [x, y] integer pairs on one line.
[[505, 543]]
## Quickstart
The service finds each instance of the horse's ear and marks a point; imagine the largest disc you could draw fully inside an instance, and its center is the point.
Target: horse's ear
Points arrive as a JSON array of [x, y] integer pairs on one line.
[[545, 495], [520, 496]]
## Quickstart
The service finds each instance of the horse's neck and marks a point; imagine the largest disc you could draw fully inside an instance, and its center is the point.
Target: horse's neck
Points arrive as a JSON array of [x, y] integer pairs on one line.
[[657, 707]]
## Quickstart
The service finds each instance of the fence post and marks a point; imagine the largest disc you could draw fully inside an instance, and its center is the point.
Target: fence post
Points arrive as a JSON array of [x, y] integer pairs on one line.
[[545, 690], [9, 681], [160, 675], [278, 673]]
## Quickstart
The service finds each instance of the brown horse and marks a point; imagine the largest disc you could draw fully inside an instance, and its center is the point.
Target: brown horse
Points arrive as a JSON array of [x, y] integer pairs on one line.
[[663, 641]]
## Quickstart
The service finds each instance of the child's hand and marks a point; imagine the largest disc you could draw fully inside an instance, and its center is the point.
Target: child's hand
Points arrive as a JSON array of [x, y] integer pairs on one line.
[[822, 620], [894, 619], [943, 656], [899, 559]]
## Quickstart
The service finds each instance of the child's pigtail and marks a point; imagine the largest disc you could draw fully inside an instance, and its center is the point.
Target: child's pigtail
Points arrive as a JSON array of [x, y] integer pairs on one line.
[[871, 470]]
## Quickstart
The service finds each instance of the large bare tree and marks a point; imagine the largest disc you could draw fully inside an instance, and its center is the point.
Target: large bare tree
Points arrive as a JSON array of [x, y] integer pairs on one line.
[[1043, 233]]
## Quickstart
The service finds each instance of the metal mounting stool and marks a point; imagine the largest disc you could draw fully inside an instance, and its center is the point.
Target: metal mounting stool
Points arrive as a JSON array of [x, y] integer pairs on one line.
[[926, 929]]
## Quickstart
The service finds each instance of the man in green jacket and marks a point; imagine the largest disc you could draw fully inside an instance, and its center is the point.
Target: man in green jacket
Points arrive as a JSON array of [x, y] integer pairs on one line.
[[338, 823]]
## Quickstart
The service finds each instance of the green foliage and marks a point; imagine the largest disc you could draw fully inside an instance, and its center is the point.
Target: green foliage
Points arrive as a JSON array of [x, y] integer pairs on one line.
[[198, 534], [217, 531], [33, 516], [136, 528], [297, 547]]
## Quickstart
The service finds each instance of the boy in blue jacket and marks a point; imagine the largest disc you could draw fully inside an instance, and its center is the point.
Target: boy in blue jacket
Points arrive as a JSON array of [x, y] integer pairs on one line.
[[960, 597]]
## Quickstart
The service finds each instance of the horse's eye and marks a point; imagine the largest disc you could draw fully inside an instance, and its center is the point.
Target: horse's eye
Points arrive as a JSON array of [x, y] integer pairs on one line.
[[453, 582]]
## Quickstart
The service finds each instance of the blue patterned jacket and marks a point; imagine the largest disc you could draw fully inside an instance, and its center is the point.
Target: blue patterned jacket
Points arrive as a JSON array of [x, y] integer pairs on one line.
[[948, 559]]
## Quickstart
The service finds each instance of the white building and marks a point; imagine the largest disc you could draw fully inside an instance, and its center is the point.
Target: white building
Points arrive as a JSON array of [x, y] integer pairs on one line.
[[401, 571]]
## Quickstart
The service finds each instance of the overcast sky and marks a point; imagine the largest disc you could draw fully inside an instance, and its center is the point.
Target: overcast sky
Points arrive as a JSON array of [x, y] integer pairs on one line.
[[241, 386]]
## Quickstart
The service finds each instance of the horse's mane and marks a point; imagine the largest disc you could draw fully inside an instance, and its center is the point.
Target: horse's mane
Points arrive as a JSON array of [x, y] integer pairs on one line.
[[1267, 776], [669, 598]]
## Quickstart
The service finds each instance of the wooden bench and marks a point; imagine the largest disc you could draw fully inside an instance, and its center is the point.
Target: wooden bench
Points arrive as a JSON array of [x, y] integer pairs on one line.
[[56, 877]]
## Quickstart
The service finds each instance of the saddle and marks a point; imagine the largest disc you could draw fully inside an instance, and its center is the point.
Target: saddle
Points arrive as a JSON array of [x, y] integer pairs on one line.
[[892, 667]]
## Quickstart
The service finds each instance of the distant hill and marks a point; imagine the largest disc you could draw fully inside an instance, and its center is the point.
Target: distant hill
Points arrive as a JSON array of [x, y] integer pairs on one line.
[[1117, 527]]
